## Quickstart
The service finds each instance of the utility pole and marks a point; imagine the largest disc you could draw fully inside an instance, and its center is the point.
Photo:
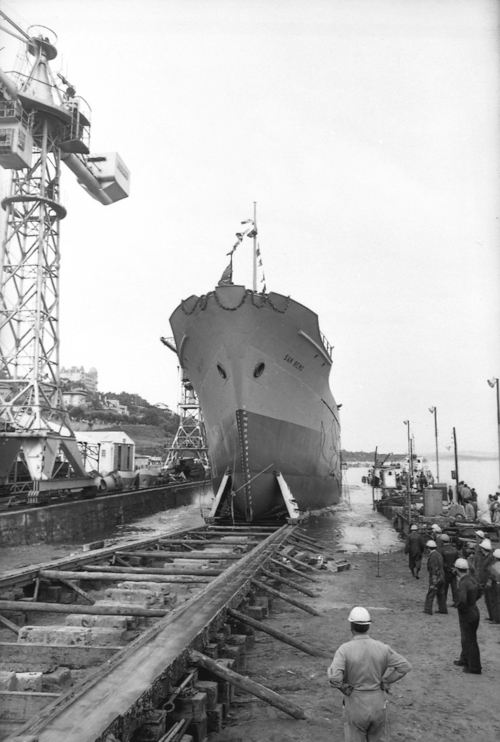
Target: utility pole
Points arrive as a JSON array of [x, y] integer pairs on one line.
[[455, 498], [494, 383], [434, 411]]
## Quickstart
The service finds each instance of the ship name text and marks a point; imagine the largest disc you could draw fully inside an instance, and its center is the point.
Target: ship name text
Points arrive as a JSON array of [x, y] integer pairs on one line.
[[294, 363]]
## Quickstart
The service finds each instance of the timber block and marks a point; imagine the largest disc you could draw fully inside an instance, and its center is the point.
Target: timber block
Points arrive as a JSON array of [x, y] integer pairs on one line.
[[215, 718], [68, 597], [135, 561], [264, 602], [50, 593], [198, 730], [220, 639], [17, 617], [103, 622], [191, 707], [233, 653], [29, 681], [210, 688], [343, 567], [211, 650], [58, 680], [190, 563], [8, 680], [153, 728], [255, 611], [240, 641]]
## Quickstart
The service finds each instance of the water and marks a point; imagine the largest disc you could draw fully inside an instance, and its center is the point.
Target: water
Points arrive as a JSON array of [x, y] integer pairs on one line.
[[481, 474]]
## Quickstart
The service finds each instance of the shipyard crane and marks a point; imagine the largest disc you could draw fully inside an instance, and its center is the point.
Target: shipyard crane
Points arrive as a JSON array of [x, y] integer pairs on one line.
[[43, 122], [190, 438]]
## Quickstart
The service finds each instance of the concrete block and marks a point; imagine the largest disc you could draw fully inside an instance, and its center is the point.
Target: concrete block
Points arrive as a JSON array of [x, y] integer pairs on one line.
[[17, 617], [103, 622], [50, 594], [189, 563], [343, 566], [70, 635], [255, 611], [233, 653], [68, 597], [211, 650], [53, 682], [209, 687], [145, 598], [29, 682], [153, 728], [264, 602], [191, 707], [8, 681]]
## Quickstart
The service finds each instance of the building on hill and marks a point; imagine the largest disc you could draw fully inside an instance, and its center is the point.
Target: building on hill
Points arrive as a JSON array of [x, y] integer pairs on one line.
[[77, 374], [77, 397]]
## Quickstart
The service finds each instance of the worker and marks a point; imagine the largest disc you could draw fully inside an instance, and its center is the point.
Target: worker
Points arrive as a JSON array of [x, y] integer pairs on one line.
[[414, 547], [483, 576], [470, 513], [450, 554], [436, 536], [363, 669], [468, 616], [475, 559], [494, 576], [435, 568]]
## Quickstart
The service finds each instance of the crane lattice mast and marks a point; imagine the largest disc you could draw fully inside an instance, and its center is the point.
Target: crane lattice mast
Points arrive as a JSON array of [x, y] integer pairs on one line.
[[42, 123]]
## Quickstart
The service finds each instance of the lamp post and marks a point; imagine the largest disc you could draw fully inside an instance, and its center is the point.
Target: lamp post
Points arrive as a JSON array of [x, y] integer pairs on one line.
[[494, 383], [433, 410], [409, 477]]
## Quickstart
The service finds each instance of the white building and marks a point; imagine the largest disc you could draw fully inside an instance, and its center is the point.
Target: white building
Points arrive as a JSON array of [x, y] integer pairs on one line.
[[105, 451], [78, 374]]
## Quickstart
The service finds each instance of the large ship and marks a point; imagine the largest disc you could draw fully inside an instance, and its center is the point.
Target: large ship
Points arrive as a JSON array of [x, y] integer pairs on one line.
[[260, 366]]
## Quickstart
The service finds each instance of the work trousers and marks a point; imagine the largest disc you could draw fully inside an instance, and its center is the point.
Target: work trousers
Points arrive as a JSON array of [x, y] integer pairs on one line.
[[450, 580], [415, 562], [491, 598], [436, 591], [365, 717], [469, 622]]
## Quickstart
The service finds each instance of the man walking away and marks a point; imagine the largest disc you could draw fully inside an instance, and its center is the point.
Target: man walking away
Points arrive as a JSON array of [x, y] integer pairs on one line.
[[484, 577], [435, 568], [450, 555], [414, 547], [362, 669], [468, 616]]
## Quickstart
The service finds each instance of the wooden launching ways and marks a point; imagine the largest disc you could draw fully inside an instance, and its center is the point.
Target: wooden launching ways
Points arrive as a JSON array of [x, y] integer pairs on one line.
[[147, 640]]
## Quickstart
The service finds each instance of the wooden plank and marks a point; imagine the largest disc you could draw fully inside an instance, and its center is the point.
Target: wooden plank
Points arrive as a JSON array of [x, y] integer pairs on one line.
[[278, 563], [291, 584], [174, 572], [287, 598], [64, 577], [53, 574], [280, 635], [250, 686], [9, 625], [47, 657], [94, 610], [159, 554], [21, 706]]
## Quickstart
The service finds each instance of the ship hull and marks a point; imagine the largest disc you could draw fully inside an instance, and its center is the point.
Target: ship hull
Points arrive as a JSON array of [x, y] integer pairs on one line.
[[260, 370]]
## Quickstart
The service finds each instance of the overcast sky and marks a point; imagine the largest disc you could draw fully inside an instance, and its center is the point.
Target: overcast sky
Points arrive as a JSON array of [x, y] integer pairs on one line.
[[367, 133]]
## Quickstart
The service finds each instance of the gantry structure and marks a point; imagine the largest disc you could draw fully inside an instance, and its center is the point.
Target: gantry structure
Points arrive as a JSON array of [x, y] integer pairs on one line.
[[190, 440], [43, 123]]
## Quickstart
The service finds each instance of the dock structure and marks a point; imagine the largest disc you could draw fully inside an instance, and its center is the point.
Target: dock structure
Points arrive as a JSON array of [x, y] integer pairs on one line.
[[147, 640]]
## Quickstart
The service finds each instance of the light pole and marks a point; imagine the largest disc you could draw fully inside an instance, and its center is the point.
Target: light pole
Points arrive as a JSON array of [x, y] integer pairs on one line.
[[433, 410], [409, 477], [494, 383]]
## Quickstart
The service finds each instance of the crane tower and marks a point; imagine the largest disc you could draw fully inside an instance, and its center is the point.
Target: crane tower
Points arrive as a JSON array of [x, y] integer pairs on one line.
[[43, 123]]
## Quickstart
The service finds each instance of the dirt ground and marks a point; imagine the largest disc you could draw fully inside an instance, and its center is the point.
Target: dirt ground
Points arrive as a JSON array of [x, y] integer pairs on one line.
[[436, 700]]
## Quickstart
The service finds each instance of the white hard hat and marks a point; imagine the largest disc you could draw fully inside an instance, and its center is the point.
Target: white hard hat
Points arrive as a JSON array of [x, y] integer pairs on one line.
[[461, 564], [359, 615], [414, 528], [431, 544], [436, 528], [445, 537], [479, 533], [496, 553], [486, 544]]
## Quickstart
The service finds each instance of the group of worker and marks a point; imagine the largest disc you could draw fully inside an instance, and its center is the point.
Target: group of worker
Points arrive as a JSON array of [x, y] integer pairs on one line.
[[363, 668]]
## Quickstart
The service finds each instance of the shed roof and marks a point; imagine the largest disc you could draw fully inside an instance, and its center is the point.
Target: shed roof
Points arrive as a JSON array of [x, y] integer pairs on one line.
[[103, 436]]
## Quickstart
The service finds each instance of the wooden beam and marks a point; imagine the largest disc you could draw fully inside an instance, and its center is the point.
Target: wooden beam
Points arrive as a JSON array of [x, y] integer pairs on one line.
[[9, 625], [47, 657], [21, 706], [64, 577], [297, 643], [107, 576], [158, 554], [278, 594], [284, 580], [299, 563], [292, 569], [250, 686], [182, 575], [95, 610]]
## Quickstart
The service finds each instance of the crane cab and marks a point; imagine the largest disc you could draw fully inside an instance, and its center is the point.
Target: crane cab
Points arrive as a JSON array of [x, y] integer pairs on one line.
[[16, 139]]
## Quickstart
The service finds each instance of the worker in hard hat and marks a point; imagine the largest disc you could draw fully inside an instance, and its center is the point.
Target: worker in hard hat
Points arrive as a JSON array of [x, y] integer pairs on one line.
[[469, 591], [483, 576], [494, 576], [476, 558], [450, 554], [435, 568], [436, 536], [414, 547], [362, 669]]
